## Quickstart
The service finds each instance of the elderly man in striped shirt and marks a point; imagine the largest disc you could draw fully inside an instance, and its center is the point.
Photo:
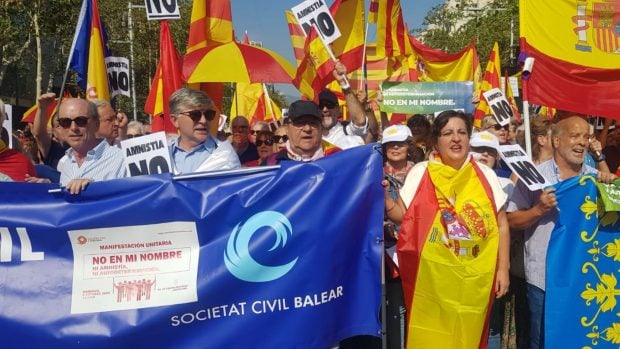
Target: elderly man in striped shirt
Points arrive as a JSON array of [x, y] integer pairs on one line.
[[88, 159]]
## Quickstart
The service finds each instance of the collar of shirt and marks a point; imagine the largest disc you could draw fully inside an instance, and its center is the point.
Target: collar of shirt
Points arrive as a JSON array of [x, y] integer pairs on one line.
[[209, 145], [94, 153], [585, 169]]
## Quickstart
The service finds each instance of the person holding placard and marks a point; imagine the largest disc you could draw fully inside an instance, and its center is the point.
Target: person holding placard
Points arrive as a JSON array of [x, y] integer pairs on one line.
[[195, 150], [452, 262], [535, 211]]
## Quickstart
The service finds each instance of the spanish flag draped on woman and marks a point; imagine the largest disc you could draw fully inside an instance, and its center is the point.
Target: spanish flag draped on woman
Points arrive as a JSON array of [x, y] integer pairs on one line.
[[453, 233]]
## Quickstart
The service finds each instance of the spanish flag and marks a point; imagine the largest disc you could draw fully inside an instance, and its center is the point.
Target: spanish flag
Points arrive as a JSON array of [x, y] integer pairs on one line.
[[576, 52], [492, 79], [89, 49], [447, 252], [168, 78]]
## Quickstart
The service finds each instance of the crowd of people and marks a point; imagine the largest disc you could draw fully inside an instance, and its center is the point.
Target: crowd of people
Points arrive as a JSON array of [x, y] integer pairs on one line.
[[465, 239]]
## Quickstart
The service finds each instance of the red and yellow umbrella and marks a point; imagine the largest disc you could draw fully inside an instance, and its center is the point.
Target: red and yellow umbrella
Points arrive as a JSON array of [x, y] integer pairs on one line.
[[236, 62]]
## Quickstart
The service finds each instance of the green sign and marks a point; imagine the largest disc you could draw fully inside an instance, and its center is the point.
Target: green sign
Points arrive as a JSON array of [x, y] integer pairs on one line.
[[426, 97], [610, 193]]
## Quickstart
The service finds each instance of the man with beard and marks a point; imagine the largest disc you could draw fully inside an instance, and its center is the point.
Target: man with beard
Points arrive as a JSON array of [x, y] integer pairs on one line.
[[334, 132], [536, 213], [195, 150]]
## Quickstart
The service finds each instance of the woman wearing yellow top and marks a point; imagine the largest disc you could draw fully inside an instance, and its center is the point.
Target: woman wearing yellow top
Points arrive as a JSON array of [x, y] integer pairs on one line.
[[453, 247]]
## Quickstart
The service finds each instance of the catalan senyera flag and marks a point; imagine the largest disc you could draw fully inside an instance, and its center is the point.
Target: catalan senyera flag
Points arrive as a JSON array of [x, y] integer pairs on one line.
[[576, 52], [89, 52], [168, 78], [210, 24], [492, 79], [392, 35], [442, 275]]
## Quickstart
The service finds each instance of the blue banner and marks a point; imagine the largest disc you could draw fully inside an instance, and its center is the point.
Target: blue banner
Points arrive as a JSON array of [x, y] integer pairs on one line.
[[582, 270], [280, 258]]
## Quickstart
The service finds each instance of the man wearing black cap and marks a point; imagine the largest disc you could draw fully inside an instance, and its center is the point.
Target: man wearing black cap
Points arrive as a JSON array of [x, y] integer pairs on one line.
[[351, 134], [304, 134]]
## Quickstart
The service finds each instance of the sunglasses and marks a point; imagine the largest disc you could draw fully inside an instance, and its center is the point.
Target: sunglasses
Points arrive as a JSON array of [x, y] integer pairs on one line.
[[278, 138], [266, 142], [133, 136], [488, 150], [196, 115], [80, 121], [498, 127], [327, 104]]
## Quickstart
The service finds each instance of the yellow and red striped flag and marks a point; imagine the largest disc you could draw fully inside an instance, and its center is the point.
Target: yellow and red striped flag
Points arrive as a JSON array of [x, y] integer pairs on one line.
[[510, 97], [373, 11], [392, 35], [576, 52], [490, 80], [168, 78], [211, 24]]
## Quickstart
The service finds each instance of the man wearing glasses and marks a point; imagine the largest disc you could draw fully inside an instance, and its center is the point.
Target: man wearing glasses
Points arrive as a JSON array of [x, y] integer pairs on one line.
[[195, 150], [89, 158], [304, 134], [351, 134]]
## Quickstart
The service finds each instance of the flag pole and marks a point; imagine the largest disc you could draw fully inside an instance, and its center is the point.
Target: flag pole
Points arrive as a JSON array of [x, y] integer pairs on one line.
[[526, 119], [364, 68]]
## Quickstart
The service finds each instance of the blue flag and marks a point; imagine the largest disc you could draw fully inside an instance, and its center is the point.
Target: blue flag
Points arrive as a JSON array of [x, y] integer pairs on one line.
[[265, 258], [582, 270]]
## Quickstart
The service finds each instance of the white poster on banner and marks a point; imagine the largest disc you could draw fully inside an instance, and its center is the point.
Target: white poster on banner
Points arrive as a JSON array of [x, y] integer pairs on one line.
[[118, 75], [147, 154], [8, 123], [499, 105], [134, 267], [316, 12], [521, 165], [162, 9]]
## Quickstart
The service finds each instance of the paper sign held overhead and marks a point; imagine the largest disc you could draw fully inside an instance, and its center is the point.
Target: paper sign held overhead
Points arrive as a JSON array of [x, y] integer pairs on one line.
[[117, 69], [522, 166], [499, 106], [162, 9], [316, 13]]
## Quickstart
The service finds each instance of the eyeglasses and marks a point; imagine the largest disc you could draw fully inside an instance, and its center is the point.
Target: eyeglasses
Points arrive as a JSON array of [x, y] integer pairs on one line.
[[498, 127], [282, 138], [266, 142], [80, 121], [488, 150], [313, 123], [196, 115], [133, 136], [327, 104]]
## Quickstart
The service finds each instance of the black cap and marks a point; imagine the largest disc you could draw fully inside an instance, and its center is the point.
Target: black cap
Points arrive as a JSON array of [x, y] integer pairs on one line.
[[301, 108], [328, 96]]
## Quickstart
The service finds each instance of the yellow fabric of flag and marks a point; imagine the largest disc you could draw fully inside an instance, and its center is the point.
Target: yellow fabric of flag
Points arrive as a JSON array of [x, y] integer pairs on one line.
[[210, 24], [491, 79], [583, 32]]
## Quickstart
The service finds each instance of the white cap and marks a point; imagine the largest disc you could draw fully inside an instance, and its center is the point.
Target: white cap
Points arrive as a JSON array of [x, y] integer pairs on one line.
[[395, 133], [484, 139]]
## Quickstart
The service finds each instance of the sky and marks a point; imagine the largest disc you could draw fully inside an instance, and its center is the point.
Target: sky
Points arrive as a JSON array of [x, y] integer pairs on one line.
[[264, 21]]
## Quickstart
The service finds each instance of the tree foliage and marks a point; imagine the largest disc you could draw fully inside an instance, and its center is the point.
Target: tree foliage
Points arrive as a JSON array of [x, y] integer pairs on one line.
[[452, 29]]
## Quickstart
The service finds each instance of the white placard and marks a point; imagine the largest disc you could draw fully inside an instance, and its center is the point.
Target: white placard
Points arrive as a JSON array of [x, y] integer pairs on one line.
[[134, 267], [118, 75], [147, 154], [516, 158], [499, 105], [514, 85], [315, 12], [162, 9], [8, 123]]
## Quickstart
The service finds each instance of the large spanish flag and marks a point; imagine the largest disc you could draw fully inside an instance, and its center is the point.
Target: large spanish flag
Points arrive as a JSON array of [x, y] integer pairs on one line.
[[448, 272], [577, 54], [436, 65], [89, 52]]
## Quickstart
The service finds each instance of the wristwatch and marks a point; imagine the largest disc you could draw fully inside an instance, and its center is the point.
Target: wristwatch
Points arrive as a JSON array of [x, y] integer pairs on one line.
[[602, 157]]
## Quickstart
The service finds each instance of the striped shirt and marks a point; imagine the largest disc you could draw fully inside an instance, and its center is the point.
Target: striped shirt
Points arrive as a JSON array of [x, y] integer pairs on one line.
[[103, 162]]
